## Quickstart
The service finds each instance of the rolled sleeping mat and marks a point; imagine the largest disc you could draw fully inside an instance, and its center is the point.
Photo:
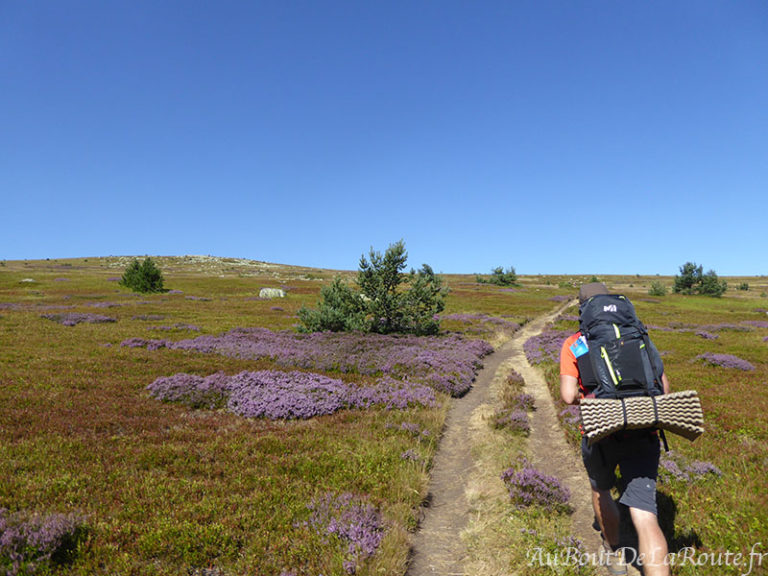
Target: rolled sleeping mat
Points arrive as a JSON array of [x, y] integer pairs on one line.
[[678, 412]]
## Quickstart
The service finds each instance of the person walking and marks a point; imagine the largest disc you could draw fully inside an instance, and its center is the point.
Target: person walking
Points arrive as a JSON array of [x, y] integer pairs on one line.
[[635, 452]]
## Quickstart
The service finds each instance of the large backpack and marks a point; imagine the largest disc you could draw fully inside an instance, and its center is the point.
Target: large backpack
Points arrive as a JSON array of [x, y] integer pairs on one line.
[[614, 353]]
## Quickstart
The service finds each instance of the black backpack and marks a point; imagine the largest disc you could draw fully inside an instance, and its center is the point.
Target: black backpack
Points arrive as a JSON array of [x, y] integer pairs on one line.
[[615, 356]]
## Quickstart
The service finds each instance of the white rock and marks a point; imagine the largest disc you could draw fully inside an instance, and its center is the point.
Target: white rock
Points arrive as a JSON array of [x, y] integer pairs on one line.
[[271, 293]]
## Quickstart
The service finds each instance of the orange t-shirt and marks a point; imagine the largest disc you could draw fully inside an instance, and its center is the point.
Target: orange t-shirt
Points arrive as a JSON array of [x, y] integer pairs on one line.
[[568, 364]]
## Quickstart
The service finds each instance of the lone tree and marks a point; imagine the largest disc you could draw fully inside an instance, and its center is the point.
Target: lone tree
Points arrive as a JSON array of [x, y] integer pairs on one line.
[[692, 280], [143, 277], [386, 301]]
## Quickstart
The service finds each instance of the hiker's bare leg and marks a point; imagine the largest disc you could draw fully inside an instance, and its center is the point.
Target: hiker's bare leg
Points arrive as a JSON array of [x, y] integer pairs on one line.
[[607, 513], [651, 542]]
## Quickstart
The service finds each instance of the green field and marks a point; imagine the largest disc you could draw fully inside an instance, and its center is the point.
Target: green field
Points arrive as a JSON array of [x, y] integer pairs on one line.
[[161, 488]]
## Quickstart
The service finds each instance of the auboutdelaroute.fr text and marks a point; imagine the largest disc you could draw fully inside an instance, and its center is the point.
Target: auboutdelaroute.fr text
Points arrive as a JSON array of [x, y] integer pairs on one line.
[[745, 561]]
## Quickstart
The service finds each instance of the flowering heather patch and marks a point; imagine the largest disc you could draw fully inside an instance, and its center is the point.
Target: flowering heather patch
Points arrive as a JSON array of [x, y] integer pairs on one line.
[[282, 395], [198, 298], [756, 323], [410, 455], [191, 390], [524, 402], [515, 420], [560, 298], [570, 418], [673, 467], [571, 415], [352, 522], [144, 343], [657, 328], [153, 317], [73, 318], [9, 306], [286, 395], [515, 380], [570, 542], [103, 304], [706, 335], [530, 487], [545, 346], [177, 326], [412, 428], [446, 363], [725, 360], [726, 326], [29, 542], [701, 468]]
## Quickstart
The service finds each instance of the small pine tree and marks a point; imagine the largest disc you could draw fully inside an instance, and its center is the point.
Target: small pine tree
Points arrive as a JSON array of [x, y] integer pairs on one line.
[[143, 276], [692, 280], [387, 300]]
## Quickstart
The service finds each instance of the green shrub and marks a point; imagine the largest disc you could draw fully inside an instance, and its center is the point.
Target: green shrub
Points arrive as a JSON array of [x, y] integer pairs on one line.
[[340, 310], [386, 300], [500, 277], [692, 280], [744, 286], [657, 289], [143, 277]]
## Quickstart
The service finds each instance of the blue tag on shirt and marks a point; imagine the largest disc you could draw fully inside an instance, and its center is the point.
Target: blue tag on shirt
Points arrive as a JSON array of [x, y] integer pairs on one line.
[[579, 348]]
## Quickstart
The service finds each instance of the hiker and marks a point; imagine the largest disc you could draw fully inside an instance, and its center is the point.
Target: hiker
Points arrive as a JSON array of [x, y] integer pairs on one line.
[[636, 452]]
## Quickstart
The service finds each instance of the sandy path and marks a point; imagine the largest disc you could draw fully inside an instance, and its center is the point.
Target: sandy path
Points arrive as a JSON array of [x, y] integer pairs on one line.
[[437, 547], [549, 450]]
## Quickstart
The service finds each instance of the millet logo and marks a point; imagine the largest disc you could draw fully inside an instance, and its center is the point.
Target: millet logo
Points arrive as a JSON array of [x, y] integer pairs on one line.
[[611, 308]]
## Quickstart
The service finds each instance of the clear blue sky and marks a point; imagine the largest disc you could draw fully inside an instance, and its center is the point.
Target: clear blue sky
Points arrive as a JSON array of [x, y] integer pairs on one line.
[[594, 136]]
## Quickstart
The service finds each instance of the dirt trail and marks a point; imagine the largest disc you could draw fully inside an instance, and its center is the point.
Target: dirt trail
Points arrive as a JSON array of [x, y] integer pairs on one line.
[[437, 547]]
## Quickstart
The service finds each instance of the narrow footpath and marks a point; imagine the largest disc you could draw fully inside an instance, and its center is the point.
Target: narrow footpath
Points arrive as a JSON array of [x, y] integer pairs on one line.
[[437, 548]]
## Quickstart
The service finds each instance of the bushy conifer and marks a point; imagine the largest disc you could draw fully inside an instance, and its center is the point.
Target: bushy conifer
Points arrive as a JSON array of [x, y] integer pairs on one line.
[[387, 300], [143, 276], [692, 280]]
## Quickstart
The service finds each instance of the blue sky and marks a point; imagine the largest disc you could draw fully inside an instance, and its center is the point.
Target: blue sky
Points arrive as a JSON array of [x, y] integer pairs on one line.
[[572, 137]]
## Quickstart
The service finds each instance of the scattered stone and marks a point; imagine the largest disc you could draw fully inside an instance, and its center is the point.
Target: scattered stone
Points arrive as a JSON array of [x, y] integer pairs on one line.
[[270, 293]]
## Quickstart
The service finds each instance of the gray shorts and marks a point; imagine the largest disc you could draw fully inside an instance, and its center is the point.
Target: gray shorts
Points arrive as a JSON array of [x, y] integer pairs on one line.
[[636, 453]]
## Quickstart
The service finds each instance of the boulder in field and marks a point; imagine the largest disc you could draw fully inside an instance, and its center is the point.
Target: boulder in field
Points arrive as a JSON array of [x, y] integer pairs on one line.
[[269, 293]]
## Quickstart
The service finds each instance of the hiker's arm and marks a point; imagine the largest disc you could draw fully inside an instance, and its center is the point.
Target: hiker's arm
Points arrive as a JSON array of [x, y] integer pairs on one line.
[[569, 389], [665, 383]]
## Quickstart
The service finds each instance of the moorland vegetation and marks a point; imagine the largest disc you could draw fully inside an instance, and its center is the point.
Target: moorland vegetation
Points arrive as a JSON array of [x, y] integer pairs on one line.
[[196, 430]]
